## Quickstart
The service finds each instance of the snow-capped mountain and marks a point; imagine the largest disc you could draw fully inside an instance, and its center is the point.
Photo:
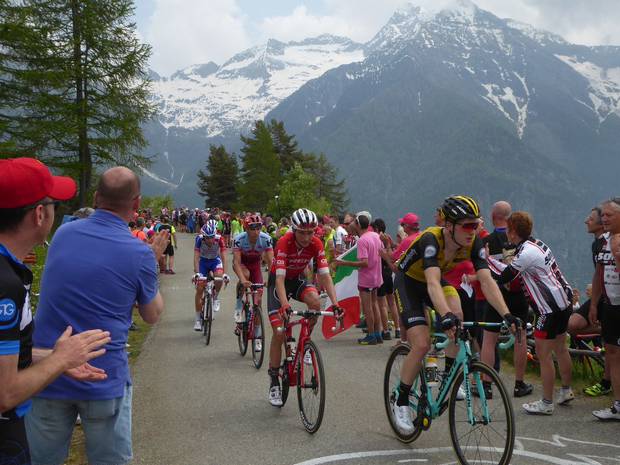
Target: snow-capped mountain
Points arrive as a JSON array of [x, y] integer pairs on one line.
[[224, 100]]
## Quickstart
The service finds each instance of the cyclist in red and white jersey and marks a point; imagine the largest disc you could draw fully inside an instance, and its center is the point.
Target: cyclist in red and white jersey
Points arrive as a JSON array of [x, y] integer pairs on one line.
[[606, 287], [551, 297], [293, 253]]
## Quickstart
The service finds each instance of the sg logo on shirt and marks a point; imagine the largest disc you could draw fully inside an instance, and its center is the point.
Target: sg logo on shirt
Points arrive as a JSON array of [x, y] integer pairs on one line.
[[7, 310]]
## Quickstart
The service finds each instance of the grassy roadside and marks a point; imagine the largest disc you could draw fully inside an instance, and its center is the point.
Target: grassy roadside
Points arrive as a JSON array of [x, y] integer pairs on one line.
[[77, 452]]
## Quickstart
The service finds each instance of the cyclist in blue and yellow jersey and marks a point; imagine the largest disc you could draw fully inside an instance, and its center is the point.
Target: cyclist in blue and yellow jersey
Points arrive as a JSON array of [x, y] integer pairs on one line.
[[419, 283]]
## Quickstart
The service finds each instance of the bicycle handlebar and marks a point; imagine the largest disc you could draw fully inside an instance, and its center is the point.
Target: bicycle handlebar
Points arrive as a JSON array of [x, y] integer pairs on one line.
[[477, 324]]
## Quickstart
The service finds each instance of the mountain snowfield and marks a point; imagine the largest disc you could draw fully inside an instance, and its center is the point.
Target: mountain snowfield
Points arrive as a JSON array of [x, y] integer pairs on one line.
[[223, 101], [226, 100]]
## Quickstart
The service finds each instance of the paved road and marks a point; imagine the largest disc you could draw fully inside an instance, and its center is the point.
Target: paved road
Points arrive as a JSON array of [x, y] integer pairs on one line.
[[195, 404]]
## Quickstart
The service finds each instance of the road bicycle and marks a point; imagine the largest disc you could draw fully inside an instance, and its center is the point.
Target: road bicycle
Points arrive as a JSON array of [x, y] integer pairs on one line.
[[482, 428], [303, 367], [251, 330], [208, 296]]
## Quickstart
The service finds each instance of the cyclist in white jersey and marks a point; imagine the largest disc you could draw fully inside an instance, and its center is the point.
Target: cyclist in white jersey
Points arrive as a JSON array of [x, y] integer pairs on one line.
[[551, 297], [606, 287]]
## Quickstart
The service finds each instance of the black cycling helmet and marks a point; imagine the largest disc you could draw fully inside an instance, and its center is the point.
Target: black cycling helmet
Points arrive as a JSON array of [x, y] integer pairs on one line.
[[460, 207]]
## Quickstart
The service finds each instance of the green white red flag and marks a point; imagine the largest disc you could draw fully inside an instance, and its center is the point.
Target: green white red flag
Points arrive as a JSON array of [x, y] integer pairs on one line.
[[345, 282]]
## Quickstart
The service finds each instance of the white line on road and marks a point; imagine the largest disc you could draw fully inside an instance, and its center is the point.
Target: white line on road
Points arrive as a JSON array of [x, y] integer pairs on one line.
[[412, 460]]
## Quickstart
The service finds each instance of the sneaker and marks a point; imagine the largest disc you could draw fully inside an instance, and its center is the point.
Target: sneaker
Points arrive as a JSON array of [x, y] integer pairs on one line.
[[308, 358], [565, 396], [238, 316], [397, 333], [538, 407], [597, 390], [258, 346], [402, 416], [460, 394], [216, 305], [386, 336], [367, 341], [275, 396], [379, 339], [171, 272], [607, 414], [197, 326], [523, 389]]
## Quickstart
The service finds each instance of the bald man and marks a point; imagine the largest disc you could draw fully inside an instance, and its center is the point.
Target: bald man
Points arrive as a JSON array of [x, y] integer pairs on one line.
[[501, 249], [95, 272]]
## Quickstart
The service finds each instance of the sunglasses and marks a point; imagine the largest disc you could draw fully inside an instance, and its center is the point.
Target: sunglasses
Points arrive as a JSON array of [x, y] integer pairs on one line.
[[254, 227], [469, 226]]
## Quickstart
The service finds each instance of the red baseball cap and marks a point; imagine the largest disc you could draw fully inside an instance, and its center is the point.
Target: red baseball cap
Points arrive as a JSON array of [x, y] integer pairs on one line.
[[410, 219], [25, 181]]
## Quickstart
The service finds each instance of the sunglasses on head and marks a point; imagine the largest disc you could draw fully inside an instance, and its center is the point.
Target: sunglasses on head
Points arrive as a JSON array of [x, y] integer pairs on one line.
[[469, 226]]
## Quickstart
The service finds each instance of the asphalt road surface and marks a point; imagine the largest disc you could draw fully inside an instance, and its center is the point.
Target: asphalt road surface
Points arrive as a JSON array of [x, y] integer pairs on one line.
[[198, 404]]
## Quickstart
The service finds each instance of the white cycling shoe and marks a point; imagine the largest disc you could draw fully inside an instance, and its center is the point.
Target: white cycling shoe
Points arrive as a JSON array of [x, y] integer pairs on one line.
[[197, 326], [402, 416], [216, 305], [275, 396]]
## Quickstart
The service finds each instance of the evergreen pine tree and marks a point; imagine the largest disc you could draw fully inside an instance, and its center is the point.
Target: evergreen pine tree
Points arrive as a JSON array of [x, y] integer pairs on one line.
[[74, 84], [284, 145], [218, 183], [328, 185], [260, 169]]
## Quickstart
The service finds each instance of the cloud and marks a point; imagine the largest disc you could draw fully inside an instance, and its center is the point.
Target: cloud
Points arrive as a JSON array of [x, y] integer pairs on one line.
[[186, 32]]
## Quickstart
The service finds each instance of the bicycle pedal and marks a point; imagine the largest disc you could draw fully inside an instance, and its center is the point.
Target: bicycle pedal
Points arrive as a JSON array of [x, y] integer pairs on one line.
[[423, 422]]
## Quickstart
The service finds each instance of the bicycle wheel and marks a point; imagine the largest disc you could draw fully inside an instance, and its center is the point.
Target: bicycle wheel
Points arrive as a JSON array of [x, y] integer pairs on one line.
[[391, 382], [208, 312], [242, 337], [490, 440], [258, 340], [285, 381], [311, 387]]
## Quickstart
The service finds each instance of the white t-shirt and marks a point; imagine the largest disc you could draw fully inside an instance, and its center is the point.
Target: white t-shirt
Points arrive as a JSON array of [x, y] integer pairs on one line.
[[339, 236]]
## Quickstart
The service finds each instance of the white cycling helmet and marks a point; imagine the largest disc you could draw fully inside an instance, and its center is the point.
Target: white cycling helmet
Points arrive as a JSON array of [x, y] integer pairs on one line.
[[304, 219]]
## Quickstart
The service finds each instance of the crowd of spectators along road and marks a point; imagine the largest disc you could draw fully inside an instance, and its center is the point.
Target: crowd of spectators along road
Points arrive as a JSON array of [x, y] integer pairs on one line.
[[73, 362]]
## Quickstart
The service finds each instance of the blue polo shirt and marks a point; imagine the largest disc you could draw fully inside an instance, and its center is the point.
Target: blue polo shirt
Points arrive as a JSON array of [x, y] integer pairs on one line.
[[94, 273]]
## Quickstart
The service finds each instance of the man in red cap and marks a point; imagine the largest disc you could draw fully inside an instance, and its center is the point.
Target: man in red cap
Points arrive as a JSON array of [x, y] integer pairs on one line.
[[28, 193], [411, 225]]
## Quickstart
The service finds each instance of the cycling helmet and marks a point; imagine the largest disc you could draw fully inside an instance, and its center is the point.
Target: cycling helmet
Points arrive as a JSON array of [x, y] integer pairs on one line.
[[209, 229], [304, 219], [460, 207], [252, 219]]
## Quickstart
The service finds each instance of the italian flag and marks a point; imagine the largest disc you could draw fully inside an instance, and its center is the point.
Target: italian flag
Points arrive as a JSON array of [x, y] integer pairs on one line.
[[345, 282]]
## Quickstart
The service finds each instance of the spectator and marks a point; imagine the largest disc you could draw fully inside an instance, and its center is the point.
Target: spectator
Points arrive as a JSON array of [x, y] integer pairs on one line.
[[167, 260], [385, 294], [340, 233], [28, 194], [369, 253], [411, 226], [137, 229], [96, 287]]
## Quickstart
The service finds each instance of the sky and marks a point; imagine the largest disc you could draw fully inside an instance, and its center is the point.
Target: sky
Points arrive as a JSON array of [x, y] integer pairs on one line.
[[187, 32]]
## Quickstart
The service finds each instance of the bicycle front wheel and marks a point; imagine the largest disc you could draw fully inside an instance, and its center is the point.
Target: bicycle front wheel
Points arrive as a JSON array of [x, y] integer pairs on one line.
[[242, 337], [485, 432], [258, 339], [311, 387], [208, 319], [391, 382]]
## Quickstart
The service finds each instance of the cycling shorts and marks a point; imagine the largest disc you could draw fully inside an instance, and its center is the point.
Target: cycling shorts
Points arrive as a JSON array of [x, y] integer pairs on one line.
[[552, 325], [412, 299], [610, 324], [205, 265], [387, 288], [256, 275], [296, 288], [516, 303]]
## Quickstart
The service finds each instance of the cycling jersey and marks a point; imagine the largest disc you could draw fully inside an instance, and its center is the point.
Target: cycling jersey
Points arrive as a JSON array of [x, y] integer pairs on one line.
[[212, 251], [428, 250], [610, 277], [291, 260], [544, 283], [251, 255]]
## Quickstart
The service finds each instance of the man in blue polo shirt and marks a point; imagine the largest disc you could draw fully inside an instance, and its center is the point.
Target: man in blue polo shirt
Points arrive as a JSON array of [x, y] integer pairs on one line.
[[95, 272], [28, 193]]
